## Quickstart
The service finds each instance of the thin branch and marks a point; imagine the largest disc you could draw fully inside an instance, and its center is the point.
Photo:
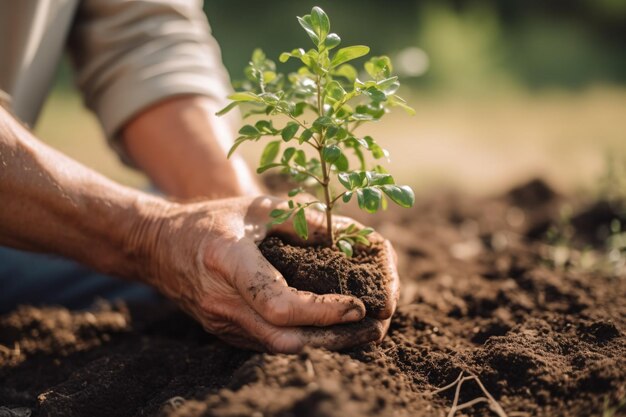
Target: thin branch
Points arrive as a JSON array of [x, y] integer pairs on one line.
[[493, 404], [304, 171], [457, 393], [296, 120], [447, 387], [471, 403], [332, 203], [356, 125]]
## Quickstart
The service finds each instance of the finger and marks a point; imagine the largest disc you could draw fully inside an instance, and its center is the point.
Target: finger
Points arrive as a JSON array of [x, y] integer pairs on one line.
[[392, 283], [293, 339], [267, 292]]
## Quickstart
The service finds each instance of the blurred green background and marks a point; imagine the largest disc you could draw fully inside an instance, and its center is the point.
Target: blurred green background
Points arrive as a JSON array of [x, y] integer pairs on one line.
[[505, 90]]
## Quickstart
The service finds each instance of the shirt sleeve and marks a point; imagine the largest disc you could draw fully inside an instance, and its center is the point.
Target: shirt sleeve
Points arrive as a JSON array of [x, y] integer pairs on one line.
[[130, 54]]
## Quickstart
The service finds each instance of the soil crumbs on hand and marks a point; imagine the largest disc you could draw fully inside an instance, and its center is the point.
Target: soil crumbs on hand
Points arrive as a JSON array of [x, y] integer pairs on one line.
[[483, 294]]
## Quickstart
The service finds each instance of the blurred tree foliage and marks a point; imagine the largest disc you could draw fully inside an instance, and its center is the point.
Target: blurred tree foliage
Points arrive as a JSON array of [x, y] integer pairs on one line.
[[470, 45]]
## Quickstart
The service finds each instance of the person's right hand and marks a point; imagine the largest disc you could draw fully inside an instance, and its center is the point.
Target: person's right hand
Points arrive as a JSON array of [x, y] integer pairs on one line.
[[205, 257]]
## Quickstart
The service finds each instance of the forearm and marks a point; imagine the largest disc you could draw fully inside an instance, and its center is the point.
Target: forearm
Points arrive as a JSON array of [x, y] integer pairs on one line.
[[182, 146], [50, 203]]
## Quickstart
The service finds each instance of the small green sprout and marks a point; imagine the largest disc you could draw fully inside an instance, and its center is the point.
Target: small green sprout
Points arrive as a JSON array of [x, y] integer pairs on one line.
[[326, 90]]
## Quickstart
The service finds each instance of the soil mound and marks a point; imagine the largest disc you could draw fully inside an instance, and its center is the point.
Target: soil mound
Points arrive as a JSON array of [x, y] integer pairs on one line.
[[482, 295], [323, 270]]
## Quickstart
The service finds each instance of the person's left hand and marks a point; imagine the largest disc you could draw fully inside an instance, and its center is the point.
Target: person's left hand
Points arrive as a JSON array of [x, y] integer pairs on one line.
[[205, 257]]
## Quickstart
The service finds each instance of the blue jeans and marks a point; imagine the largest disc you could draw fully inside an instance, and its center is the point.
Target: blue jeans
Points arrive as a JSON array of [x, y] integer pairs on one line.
[[37, 279]]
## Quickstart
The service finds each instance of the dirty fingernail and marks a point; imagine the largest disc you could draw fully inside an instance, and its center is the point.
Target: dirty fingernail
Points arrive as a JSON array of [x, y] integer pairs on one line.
[[354, 314]]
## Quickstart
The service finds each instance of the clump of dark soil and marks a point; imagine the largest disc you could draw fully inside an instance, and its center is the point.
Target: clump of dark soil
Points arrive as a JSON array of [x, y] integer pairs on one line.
[[480, 296], [323, 270]]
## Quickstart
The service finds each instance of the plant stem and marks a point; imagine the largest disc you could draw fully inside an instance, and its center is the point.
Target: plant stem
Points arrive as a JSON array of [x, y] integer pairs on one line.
[[332, 203], [325, 170], [329, 204]]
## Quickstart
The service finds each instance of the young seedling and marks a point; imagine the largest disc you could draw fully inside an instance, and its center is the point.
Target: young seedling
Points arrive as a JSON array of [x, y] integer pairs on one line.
[[327, 90]]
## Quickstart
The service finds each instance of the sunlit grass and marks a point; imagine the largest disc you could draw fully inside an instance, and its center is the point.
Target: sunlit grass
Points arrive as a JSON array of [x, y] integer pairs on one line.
[[479, 145]]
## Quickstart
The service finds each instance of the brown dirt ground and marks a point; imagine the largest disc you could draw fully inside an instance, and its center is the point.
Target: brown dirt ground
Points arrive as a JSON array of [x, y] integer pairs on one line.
[[482, 294]]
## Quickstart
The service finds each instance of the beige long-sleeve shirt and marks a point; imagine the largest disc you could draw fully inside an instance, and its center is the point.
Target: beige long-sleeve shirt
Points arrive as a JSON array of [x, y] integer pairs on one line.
[[127, 54]]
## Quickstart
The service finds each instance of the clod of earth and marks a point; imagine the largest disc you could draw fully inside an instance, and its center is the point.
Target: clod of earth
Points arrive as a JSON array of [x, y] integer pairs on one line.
[[543, 341], [322, 270]]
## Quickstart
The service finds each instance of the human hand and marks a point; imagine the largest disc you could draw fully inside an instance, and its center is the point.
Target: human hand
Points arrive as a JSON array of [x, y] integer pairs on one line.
[[205, 257]]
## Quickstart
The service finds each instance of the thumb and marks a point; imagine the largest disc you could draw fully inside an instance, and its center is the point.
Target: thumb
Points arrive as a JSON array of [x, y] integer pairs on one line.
[[267, 292]]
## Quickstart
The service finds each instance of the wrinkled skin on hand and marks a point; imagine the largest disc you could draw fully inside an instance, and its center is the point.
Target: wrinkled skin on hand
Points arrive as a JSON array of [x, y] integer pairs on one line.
[[209, 263]]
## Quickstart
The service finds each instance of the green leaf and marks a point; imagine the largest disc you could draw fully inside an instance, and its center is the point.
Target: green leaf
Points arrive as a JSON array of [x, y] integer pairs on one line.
[[249, 131], [344, 179], [331, 153], [321, 122], [227, 108], [238, 142], [351, 228], [375, 149], [310, 60], [296, 53], [375, 178], [352, 180], [335, 91], [380, 169], [375, 94], [300, 158], [366, 231], [320, 22], [277, 212], [287, 155], [361, 117], [376, 110], [332, 41], [264, 168], [332, 131], [245, 96], [305, 135], [402, 195], [295, 191], [342, 163], [379, 67], [349, 53], [347, 196], [345, 247], [356, 144], [298, 109], [410, 110], [305, 22], [289, 131], [387, 83], [369, 199], [362, 240], [348, 72], [258, 57], [280, 218], [397, 101], [270, 153], [265, 127], [300, 224], [269, 76]]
